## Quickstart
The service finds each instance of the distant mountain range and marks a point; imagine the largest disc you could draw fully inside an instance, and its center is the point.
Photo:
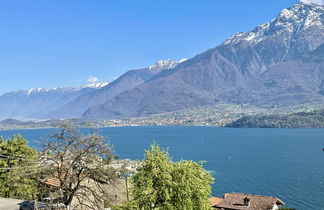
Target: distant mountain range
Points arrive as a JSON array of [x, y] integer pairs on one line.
[[35, 103], [277, 64], [129, 80], [58, 103]]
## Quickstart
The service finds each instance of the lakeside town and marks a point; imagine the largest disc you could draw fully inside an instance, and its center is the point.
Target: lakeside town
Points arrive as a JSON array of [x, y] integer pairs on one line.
[[79, 172], [162, 105], [219, 115]]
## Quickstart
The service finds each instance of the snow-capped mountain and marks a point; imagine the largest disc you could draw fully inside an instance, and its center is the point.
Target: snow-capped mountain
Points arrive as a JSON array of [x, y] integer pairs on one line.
[[60, 89], [72, 102], [96, 85], [292, 21], [38, 101], [316, 2], [131, 79], [279, 63], [166, 64]]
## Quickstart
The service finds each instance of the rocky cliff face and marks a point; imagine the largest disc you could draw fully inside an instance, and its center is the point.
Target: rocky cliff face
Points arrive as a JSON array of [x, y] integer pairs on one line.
[[279, 63]]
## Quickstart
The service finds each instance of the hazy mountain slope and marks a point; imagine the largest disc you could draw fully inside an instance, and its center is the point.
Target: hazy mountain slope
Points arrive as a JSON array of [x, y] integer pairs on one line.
[[279, 63], [36, 102], [129, 80]]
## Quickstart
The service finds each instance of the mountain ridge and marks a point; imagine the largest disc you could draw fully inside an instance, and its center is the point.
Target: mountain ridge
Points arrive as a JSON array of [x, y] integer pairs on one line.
[[33, 103], [128, 80], [278, 63], [72, 102]]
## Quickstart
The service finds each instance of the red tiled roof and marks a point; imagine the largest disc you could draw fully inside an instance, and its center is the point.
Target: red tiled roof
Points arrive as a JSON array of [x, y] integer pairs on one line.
[[214, 201], [235, 201], [55, 182]]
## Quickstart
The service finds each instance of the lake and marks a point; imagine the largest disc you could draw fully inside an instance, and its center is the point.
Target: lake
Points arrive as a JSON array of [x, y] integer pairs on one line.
[[286, 163]]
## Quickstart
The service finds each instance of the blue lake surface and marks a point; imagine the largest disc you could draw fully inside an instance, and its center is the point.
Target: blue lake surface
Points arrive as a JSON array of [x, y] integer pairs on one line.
[[286, 163]]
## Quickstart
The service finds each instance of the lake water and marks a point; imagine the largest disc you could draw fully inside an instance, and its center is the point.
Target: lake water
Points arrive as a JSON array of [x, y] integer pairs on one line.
[[286, 163]]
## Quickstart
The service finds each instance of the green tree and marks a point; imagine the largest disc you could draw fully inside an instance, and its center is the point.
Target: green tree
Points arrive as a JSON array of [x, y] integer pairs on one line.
[[192, 186], [15, 156], [163, 184]]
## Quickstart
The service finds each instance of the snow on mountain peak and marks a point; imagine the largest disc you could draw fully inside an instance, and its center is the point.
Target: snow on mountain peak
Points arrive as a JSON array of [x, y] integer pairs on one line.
[[35, 90], [256, 35], [97, 85], [299, 17], [91, 85], [166, 64], [317, 2], [43, 90]]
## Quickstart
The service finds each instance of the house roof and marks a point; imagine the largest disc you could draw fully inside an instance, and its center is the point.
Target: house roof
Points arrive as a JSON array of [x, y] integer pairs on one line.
[[235, 201], [55, 182], [214, 201]]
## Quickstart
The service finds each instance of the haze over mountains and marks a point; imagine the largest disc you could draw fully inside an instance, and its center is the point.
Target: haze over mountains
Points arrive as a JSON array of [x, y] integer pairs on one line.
[[57, 103], [279, 63], [37, 102]]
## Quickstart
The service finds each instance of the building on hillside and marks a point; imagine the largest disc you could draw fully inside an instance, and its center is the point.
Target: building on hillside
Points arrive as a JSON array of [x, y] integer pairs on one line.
[[240, 201], [113, 194]]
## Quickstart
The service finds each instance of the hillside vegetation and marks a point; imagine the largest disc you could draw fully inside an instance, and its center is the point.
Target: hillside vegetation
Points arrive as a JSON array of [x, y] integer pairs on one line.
[[313, 119]]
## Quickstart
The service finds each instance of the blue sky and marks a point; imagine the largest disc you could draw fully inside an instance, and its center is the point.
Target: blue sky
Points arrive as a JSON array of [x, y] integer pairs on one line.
[[62, 43]]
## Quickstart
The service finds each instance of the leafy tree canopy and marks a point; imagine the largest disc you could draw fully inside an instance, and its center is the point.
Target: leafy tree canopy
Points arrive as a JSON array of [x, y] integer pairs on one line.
[[164, 184], [15, 156]]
